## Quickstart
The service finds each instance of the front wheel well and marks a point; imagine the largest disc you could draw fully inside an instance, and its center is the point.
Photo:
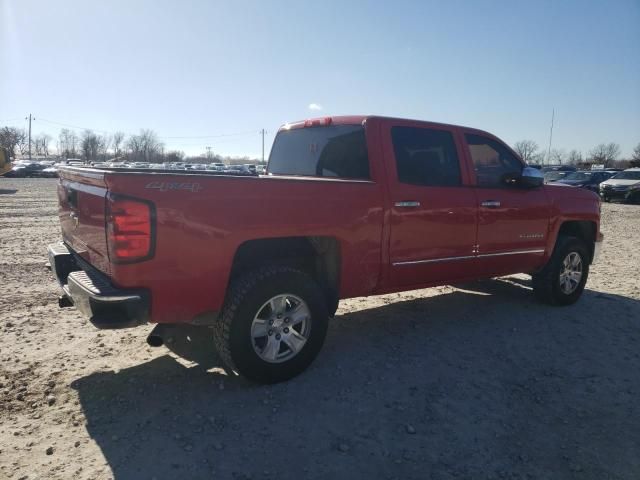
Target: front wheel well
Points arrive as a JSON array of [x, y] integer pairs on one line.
[[318, 256], [585, 230]]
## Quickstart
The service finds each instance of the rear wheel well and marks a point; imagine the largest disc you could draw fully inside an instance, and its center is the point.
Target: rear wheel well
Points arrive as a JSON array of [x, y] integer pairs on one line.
[[317, 256], [582, 229]]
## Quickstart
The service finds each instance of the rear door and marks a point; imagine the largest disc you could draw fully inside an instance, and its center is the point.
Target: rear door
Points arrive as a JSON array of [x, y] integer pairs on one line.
[[433, 209], [81, 197], [513, 222]]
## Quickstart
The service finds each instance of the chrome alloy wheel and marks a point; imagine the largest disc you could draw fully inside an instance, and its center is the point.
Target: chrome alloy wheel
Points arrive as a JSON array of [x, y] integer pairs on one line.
[[570, 273], [281, 328]]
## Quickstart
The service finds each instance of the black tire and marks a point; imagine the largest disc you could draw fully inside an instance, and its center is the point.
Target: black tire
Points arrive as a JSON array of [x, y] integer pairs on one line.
[[606, 199], [546, 283], [232, 332]]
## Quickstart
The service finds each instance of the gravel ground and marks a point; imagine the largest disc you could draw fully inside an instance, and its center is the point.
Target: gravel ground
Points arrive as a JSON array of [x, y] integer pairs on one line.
[[474, 382]]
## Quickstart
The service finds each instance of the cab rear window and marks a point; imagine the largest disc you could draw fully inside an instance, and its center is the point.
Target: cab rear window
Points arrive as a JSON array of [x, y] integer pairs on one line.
[[338, 151]]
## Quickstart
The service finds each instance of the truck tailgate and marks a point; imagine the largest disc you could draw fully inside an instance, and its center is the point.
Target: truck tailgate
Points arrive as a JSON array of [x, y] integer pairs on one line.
[[82, 198]]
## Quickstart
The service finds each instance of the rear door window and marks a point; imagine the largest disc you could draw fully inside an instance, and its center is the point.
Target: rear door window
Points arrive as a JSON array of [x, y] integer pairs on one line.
[[425, 157], [338, 151]]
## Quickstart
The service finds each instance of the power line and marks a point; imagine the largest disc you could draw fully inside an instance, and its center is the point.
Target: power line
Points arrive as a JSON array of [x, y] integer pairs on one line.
[[73, 126], [7, 120]]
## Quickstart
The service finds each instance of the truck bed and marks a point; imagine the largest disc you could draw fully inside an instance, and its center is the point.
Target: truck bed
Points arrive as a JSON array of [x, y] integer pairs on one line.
[[203, 218]]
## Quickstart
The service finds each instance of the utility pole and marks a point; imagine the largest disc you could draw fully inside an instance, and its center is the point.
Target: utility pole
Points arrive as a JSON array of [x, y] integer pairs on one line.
[[29, 134], [208, 152], [262, 132], [553, 112]]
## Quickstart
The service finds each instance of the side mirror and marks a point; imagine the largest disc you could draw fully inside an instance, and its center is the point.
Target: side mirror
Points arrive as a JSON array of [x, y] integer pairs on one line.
[[531, 178]]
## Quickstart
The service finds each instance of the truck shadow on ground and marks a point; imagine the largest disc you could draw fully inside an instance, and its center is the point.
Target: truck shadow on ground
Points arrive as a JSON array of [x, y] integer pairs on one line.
[[482, 382]]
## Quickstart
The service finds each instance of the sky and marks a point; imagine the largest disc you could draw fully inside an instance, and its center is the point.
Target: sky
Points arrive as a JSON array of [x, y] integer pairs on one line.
[[214, 73]]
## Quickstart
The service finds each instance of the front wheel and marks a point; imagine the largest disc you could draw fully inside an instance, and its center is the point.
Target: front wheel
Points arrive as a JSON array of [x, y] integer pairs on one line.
[[273, 324], [563, 278]]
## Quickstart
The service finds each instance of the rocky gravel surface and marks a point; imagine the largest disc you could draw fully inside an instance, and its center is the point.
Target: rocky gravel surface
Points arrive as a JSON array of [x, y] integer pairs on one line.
[[476, 381]]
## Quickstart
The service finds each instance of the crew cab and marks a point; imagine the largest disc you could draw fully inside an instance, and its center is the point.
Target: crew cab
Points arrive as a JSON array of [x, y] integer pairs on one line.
[[349, 206]]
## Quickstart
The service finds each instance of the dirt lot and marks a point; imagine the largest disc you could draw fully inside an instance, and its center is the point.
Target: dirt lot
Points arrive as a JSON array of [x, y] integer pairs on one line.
[[475, 382]]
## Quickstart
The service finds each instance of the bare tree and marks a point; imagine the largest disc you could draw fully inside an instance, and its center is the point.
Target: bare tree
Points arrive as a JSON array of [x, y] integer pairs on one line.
[[103, 146], [557, 156], [574, 157], [23, 145], [67, 143], [117, 140], [635, 156], [41, 143], [90, 145], [174, 156], [605, 153], [145, 146], [12, 138], [527, 150]]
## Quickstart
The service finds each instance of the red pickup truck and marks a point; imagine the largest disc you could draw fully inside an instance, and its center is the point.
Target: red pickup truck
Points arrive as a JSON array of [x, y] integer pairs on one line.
[[349, 207]]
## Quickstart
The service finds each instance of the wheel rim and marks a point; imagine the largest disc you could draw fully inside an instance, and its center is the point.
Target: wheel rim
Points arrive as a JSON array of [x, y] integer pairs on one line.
[[281, 328], [571, 273]]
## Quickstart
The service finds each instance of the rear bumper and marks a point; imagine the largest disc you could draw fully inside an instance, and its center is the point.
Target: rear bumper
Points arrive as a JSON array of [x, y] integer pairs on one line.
[[91, 292]]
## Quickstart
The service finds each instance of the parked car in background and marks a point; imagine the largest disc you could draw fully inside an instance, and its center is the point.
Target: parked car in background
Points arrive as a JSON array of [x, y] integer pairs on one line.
[[49, 172], [589, 179], [24, 169], [623, 185], [553, 173], [196, 166]]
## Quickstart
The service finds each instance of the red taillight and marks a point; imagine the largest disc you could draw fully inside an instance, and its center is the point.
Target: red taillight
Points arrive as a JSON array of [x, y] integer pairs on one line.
[[129, 229]]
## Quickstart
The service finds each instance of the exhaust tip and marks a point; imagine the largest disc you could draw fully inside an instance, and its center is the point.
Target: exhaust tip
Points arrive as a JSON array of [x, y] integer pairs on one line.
[[155, 340]]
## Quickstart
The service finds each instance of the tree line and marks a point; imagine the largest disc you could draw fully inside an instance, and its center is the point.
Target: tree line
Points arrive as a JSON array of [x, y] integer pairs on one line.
[[146, 147], [607, 154], [92, 147]]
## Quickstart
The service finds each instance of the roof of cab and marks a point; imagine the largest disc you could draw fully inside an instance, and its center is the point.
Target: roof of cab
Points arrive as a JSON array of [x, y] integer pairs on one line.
[[359, 119]]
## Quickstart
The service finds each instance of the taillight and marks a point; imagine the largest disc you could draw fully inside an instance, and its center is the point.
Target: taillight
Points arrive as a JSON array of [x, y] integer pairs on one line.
[[130, 229]]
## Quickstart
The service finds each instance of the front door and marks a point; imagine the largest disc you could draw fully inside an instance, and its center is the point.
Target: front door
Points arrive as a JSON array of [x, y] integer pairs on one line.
[[433, 211], [513, 222]]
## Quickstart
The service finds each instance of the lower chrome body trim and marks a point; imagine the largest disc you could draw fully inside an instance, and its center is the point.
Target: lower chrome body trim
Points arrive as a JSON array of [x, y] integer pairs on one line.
[[469, 257]]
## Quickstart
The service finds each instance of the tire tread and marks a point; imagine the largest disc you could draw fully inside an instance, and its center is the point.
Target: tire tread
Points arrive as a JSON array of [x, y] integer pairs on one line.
[[237, 293]]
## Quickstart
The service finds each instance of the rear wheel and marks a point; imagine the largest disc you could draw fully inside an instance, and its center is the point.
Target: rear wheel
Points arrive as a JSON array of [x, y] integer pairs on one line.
[[563, 278], [273, 324]]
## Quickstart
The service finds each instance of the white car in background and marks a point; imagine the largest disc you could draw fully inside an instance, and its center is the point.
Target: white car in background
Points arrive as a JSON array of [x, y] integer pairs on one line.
[[623, 185]]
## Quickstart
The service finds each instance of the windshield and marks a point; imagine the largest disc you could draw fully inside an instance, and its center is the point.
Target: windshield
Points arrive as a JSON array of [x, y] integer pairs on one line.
[[628, 175], [577, 176]]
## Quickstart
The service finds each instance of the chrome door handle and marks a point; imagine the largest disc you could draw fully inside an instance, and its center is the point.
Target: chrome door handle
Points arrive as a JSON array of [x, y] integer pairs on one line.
[[407, 204], [490, 204]]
